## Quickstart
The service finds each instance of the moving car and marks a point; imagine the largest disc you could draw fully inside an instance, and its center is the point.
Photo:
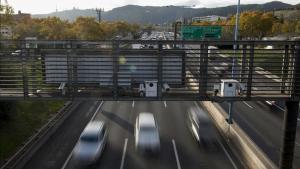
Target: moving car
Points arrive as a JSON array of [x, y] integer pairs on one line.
[[91, 143], [146, 133], [200, 126]]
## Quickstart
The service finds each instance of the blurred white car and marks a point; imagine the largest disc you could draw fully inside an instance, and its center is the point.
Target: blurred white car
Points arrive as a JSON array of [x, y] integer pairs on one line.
[[91, 143], [146, 134]]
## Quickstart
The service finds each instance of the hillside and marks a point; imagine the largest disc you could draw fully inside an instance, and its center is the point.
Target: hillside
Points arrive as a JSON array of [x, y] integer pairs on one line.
[[153, 14]]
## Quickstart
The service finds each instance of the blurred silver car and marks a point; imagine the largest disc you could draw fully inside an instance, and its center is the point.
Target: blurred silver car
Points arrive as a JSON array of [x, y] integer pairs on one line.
[[201, 126], [91, 143], [146, 134]]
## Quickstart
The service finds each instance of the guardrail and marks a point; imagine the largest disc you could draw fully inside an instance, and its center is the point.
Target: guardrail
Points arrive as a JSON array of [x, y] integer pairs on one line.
[[113, 70]]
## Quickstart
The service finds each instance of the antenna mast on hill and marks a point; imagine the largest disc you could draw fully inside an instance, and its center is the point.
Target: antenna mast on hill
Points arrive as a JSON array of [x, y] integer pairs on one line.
[[99, 11]]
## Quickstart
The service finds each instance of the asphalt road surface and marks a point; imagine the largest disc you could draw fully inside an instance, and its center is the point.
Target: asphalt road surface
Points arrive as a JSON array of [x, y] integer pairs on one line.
[[178, 147], [179, 150]]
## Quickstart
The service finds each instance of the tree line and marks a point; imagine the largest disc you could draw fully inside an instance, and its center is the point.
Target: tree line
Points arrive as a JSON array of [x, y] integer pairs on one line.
[[54, 28], [257, 24]]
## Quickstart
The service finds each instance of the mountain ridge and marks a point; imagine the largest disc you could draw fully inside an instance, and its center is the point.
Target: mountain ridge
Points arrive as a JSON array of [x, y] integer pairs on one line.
[[162, 14]]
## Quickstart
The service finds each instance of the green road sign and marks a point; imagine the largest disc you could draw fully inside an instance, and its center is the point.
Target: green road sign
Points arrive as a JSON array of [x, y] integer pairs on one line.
[[190, 32]]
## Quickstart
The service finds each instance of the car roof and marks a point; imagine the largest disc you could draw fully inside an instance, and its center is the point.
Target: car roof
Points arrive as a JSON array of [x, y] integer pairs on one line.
[[146, 119], [93, 127]]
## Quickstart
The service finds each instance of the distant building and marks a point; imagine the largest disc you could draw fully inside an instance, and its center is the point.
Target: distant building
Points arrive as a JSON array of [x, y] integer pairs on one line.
[[211, 18], [20, 16], [6, 32]]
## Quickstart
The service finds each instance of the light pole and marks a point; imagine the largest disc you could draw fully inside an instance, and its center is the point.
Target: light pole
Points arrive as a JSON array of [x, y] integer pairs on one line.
[[236, 32]]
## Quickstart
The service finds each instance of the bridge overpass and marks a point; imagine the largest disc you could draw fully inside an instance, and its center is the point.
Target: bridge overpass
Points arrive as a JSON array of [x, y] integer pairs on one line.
[[194, 71]]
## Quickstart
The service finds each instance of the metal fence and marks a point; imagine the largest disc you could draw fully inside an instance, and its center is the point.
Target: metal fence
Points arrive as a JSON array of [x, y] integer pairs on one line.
[[118, 70]]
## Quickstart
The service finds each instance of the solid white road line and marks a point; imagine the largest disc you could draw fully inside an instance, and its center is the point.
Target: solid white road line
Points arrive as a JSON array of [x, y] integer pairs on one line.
[[165, 103], [70, 155], [67, 161], [100, 105], [124, 153], [176, 154], [247, 104], [132, 103], [279, 108], [227, 154]]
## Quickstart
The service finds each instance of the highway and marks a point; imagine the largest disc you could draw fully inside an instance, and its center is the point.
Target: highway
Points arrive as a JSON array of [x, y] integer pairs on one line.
[[263, 124], [179, 150]]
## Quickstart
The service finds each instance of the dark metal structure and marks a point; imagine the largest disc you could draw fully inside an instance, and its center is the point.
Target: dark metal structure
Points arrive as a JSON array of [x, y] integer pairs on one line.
[[113, 70]]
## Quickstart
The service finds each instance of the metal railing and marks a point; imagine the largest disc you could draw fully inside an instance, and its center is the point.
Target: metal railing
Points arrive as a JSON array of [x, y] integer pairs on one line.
[[114, 70]]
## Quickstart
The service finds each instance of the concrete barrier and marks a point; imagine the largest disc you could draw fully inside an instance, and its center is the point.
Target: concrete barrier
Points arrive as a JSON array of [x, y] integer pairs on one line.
[[241, 145]]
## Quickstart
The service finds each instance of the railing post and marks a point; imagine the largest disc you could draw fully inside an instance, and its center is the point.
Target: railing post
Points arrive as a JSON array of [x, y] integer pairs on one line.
[[160, 70], [291, 116], [289, 135], [244, 63], [285, 68], [70, 70], [296, 74], [115, 52], [74, 68], [203, 70], [24, 72], [183, 71], [250, 71]]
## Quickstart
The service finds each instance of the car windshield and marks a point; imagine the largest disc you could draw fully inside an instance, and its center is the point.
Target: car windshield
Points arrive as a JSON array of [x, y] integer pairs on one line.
[[147, 129], [89, 137]]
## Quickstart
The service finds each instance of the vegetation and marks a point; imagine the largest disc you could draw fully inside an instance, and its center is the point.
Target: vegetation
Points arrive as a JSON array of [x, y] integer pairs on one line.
[[83, 28], [21, 120], [256, 25], [54, 28]]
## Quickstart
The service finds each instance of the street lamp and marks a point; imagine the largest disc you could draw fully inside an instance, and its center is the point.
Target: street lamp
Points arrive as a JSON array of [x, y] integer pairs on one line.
[[236, 31]]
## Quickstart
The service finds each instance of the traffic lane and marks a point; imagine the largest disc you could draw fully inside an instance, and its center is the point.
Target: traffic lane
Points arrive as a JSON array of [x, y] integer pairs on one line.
[[55, 150], [260, 125], [116, 116], [176, 140], [172, 141], [166, 158], [192, 154]]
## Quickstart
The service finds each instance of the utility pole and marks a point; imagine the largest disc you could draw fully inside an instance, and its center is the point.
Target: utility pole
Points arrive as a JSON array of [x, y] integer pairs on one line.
[[236, 31], [99, 11]]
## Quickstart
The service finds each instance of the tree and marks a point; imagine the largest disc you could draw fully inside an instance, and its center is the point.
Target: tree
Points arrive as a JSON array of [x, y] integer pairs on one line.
[[87, 28], [27, 27], [6, 17], [298, 27], [52, 28]]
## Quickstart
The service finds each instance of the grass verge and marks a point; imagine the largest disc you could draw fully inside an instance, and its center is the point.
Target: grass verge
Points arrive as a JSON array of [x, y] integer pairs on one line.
[[24, 119]]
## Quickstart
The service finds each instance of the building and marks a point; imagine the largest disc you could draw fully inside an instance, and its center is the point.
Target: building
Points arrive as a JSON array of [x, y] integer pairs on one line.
[[211, 18], [20, 16], [6, 32]]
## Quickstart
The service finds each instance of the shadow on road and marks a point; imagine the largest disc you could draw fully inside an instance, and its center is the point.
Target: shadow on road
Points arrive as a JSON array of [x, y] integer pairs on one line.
[[121, 122]]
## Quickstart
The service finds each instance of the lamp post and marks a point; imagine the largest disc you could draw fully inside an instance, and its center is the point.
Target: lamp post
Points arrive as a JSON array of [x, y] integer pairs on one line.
[[236, 31]]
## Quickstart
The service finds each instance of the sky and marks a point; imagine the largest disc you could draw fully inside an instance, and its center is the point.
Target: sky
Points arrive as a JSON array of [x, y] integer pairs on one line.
[[47, 6]]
